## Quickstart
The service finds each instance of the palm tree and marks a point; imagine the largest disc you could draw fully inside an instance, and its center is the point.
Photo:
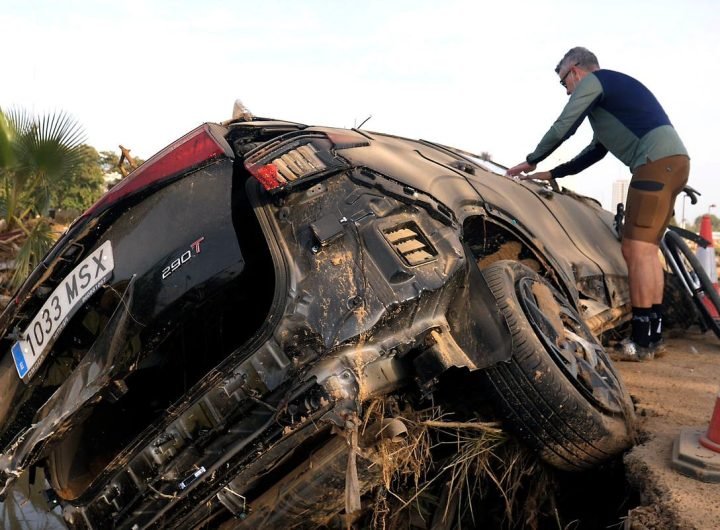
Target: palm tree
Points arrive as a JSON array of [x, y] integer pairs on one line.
[[36, 155]]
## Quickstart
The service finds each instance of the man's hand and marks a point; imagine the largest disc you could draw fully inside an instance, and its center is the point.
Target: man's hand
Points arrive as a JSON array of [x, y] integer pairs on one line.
[[540, 175], [520, 168]]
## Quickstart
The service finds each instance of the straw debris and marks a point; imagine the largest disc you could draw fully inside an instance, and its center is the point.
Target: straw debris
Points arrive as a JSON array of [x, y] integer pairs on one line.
[[454, 474]]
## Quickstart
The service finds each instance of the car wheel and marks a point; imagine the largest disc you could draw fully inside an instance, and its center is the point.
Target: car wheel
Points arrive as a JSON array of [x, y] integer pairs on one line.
[[559, 391]]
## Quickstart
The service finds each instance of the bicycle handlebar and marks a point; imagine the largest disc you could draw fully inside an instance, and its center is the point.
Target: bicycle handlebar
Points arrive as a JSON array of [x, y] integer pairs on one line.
[[692, 193]]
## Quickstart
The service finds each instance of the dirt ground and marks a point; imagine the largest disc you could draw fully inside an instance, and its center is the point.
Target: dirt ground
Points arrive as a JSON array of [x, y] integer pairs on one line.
[[672, 393]]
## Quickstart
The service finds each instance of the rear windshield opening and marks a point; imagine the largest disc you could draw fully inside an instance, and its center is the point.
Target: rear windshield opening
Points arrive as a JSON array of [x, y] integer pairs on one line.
[[205, 337]]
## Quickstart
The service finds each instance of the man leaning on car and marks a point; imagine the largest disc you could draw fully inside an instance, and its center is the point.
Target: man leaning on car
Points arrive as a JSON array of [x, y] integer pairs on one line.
[[628, 121]]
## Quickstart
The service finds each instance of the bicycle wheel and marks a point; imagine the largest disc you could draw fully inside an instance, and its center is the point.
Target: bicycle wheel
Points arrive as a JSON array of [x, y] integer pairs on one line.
[[696, 280], [679, 305]]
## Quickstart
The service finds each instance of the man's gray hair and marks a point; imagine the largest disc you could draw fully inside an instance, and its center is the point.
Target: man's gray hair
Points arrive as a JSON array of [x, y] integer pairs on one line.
[[579, 56]]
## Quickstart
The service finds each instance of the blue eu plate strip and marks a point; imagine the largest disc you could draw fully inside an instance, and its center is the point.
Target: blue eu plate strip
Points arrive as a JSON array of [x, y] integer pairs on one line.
[[20, 363]]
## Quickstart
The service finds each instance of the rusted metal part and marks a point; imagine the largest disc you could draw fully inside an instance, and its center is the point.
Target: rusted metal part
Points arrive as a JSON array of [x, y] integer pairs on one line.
[[610, 318]]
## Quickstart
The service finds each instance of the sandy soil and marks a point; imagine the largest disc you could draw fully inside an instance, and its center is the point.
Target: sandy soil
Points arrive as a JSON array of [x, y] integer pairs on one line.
[[672, 393]]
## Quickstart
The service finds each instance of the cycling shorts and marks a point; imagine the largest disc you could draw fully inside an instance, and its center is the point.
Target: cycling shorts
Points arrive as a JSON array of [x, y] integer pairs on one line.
[[651, 197]]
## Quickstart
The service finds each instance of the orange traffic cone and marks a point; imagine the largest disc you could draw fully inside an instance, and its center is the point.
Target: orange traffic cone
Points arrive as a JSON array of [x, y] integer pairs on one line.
[[711, 439], [706, 256], [696, 453]]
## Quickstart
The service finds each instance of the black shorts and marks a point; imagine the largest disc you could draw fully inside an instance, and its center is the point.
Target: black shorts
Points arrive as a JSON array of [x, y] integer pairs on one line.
[[651, 197]]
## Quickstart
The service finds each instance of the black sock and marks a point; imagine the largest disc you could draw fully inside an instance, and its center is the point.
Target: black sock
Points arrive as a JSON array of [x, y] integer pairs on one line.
[[641, 326], [656, 322]]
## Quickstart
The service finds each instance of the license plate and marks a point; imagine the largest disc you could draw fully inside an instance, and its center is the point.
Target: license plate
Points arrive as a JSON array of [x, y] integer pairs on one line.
[[65, 300]]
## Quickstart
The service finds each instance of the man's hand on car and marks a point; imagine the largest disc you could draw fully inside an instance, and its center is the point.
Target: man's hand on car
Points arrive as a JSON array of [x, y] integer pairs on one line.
[[524, 167], [540, 175]]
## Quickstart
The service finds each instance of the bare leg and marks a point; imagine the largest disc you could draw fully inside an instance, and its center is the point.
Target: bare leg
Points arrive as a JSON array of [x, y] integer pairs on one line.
[[645, 273], [659, 280]]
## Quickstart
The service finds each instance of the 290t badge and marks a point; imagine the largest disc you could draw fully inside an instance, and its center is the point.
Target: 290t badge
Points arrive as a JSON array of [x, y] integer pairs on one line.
[[186, 256]]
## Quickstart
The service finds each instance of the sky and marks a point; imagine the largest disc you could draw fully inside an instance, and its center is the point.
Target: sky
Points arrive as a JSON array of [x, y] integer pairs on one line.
[[475, 75]]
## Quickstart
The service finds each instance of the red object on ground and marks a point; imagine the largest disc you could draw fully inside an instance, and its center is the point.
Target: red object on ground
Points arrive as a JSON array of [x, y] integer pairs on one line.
[[711, 439], [707, 258]]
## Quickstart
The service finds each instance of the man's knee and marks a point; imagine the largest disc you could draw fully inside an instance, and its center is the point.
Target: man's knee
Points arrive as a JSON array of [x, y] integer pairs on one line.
[[633, 249], [626, 252]]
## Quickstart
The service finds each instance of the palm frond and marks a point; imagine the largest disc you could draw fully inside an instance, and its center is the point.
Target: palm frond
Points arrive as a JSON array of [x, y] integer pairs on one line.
[[62, 129], [39, 241], [39, 196], [19, 119], [48, 144], [6, 139], [47, 151]]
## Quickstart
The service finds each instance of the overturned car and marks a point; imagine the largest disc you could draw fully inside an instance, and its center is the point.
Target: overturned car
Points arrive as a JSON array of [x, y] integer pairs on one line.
[[202, 344]]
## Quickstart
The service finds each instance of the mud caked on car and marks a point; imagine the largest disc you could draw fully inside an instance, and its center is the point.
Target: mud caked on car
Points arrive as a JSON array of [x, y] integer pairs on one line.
[[202, 344]]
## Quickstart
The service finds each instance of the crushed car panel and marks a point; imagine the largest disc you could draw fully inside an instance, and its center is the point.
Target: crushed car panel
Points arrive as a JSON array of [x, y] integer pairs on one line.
[[260, 299]]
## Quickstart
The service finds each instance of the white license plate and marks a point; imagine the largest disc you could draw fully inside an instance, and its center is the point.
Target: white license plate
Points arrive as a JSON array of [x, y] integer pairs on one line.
[[73, 291]]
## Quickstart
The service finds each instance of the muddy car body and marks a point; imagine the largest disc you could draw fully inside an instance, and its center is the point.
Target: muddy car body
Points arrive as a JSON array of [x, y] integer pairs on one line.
[[200, 344]]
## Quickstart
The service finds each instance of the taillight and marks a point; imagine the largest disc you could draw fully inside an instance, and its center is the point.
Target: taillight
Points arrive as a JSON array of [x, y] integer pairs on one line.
[[268, 176], [300, 157], [198, 146]]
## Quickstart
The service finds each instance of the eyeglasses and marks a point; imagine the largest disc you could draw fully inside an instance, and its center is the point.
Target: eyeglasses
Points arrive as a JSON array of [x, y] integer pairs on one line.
[[563, 78]]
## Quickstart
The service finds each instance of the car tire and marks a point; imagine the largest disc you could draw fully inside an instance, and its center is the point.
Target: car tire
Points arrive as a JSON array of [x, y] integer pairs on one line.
[[559, 391], [703, 291]]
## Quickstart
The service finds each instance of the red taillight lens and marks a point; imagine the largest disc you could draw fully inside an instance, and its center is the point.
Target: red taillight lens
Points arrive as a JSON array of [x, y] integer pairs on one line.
[[198, 146], [268, 176]]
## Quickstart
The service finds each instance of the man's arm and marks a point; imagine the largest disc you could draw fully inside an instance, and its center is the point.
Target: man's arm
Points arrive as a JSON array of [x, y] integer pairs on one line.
[[582, 101], [585, 96], [587, 157]]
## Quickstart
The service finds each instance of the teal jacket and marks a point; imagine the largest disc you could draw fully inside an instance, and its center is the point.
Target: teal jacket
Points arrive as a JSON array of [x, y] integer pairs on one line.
[[626, 118]]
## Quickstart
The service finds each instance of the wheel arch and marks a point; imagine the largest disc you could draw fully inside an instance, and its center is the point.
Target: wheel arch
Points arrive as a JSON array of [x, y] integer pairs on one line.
[[490, 239]]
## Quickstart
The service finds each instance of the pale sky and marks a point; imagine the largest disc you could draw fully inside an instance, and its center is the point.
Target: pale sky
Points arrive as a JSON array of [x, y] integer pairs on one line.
[[476, 75]]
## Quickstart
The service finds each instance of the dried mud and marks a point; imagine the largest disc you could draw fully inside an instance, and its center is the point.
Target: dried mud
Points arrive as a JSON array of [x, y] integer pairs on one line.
[[549, 307], [509, 250], [672, 393]]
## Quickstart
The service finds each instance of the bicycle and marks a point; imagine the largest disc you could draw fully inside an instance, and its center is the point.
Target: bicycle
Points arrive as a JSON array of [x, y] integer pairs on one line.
[[692, 279]]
